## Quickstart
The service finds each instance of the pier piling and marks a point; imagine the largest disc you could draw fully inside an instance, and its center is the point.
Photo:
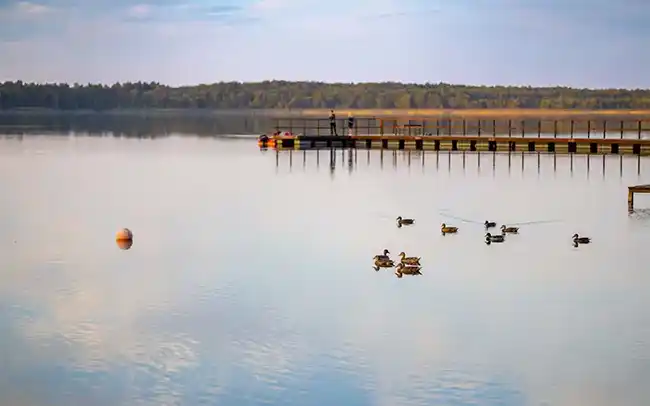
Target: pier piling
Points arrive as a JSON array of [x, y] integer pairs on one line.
[[631, 191]]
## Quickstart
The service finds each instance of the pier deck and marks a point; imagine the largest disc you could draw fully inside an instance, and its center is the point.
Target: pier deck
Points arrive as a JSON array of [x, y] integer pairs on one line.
[[556, 136], [465, 143]]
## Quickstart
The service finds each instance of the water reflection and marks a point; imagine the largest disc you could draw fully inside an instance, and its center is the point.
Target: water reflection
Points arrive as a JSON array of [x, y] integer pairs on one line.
[[124, 244], [250, 287], [540, 161], [146, 125]]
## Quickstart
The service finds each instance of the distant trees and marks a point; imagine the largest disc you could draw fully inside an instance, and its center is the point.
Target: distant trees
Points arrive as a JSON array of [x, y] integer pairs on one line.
[[302, 95]]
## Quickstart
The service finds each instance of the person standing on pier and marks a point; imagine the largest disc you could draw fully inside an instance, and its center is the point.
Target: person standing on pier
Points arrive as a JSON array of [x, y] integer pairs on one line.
[[350, 123], [332, 123]]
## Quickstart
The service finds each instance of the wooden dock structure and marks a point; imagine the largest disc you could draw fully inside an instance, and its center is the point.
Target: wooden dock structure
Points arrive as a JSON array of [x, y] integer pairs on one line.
[[575, 136], [632, 190]]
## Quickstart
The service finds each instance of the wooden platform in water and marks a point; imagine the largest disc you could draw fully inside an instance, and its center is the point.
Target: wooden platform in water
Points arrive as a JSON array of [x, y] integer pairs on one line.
[[632, 190], [639, 189], [467, 143]]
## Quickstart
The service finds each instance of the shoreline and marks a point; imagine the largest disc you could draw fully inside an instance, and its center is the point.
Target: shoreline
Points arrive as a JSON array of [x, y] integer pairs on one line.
[[405, 113]]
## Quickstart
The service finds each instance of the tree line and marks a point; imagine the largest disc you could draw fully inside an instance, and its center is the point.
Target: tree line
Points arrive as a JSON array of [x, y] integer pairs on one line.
[[305, 95]]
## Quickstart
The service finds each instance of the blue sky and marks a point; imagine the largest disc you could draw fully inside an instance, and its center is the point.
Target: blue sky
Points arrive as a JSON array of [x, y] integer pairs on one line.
[[582, 43]]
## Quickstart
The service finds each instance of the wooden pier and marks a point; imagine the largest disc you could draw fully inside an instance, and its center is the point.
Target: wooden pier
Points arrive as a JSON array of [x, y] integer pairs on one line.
[[450, 134], [632, 190]]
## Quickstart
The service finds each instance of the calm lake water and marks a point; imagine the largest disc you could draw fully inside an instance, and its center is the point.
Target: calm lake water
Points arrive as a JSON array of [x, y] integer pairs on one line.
[[250, 279]]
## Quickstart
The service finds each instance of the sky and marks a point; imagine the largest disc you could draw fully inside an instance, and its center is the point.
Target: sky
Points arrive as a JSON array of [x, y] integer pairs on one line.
[[578, 43]]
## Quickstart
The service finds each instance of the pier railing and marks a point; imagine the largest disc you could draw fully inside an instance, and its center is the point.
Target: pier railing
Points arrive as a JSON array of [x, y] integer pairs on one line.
[[491, 127]]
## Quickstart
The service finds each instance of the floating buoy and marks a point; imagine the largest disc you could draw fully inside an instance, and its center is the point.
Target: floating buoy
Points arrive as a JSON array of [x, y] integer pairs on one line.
[[124, 244], [124, 238], [124, 235]]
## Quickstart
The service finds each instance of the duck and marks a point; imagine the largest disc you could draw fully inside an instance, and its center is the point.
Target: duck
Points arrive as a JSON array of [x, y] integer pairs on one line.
[[383, 264], [409, 260], [490, 224], [407, 270], [448, 229], [489, 238], [383, 257], [512, 230], [581, 240], [404, 222]]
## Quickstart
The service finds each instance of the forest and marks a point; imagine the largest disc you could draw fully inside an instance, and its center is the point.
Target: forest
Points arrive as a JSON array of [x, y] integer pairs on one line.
[[309, 95]]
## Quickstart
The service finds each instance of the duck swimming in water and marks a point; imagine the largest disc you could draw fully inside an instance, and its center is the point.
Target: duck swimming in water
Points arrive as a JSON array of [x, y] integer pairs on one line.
[[580, 240], [409, 260], [382, 257], [407, 270], [404, 222], [489, 224], [445, 229], [383, 264], [489, 238], [512, 230]]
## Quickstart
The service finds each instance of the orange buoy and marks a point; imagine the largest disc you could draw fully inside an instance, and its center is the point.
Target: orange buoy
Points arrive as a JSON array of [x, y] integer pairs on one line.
[[124, 244], [124, 235]]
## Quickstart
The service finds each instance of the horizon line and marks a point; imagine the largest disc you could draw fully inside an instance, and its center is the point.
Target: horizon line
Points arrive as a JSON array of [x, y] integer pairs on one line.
[[326, 83]]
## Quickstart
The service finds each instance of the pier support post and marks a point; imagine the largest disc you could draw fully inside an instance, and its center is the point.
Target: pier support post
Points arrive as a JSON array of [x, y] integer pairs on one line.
[[622, 128], [630, 200]]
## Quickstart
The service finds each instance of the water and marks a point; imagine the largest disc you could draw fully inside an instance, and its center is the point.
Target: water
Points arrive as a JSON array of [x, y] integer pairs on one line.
[[250, 280]]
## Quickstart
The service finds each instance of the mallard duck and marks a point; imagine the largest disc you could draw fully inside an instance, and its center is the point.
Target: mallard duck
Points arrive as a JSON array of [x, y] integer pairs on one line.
[[447, 229], [383, 264], [407, 270], [409, 260], [581, 240], [382, 257], [404, 222], [489, 238], [490, 224], [512, 230]]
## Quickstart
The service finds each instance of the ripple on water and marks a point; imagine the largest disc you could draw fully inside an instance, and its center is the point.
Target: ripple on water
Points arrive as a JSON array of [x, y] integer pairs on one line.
[[282, 307]]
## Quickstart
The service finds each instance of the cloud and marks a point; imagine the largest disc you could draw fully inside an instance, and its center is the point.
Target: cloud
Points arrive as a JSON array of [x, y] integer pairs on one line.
[[23, 10], [139, 11], [25, 20], [335, 41], [27, 8], [183, 12]]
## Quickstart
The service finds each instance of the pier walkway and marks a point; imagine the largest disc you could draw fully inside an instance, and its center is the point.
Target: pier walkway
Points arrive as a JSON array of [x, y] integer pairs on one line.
[[548, 136]]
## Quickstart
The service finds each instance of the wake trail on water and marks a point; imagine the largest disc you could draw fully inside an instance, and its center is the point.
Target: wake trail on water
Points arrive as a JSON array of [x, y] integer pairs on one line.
[[445, 213]]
